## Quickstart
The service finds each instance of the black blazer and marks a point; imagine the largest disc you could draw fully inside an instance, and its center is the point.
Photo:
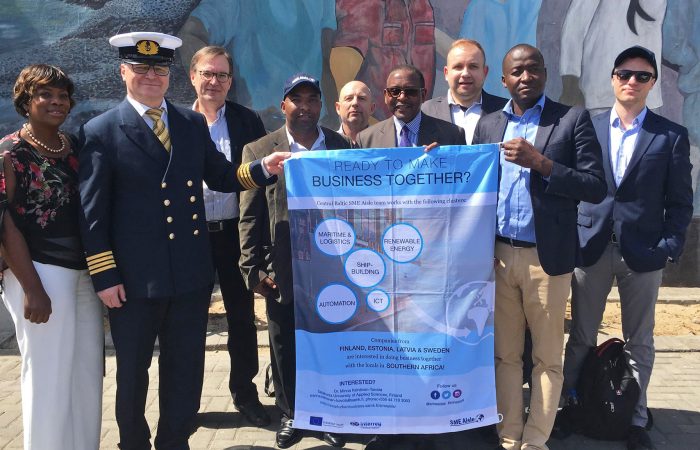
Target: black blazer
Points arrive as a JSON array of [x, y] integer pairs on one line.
[[383, 134], [651, 209], [439, 106], [244, 126], [566, 136], [142, 220]]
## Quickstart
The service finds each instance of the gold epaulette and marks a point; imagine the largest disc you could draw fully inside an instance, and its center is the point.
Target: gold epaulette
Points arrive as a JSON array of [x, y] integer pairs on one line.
[[101, 262], [245, 177]]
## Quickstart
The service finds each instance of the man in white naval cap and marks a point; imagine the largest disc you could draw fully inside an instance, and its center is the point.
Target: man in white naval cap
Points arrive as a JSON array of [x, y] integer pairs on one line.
[[145, 236]]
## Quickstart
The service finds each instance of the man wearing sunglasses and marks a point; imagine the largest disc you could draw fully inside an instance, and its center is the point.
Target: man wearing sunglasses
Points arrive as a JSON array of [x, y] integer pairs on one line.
[[408, 127], [143, 226], [635, 231], [231, 127]]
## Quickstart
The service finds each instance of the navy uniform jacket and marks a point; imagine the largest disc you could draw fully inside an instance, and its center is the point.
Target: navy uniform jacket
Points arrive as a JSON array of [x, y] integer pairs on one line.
[[143, 221], [651, 209], [566, 136]]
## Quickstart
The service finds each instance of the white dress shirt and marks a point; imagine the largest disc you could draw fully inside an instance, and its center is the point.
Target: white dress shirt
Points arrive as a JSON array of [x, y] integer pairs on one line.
[[622, 142], [467, 119]]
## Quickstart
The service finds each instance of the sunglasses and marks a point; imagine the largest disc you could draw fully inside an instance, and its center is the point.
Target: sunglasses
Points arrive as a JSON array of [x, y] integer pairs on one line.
[[143, 69], [222, 77], [395, 92], [640, 75]]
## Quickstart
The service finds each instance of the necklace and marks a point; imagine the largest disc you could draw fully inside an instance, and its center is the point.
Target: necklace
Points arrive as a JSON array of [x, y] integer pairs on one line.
[[44, 146]]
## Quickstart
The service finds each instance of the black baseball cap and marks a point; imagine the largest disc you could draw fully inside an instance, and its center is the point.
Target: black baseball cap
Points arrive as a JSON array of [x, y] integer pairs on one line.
[[637, 52], [300, 78]]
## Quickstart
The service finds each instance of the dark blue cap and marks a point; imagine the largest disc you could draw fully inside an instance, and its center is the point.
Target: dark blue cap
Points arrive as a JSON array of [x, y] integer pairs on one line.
[[300, 78], [637, 52]]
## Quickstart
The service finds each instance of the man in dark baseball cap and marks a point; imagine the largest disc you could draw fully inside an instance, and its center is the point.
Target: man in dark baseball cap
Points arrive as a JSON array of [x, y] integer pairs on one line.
[[637, 52], [634, 232], [268, 272], [300, 79]]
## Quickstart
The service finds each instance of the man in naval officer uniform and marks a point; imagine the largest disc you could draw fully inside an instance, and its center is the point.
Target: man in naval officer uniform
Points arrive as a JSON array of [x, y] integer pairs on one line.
[[145, 236]]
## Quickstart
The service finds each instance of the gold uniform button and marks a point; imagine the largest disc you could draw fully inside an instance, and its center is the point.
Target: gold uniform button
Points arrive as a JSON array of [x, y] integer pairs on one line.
[[166, 202], [193, 198], [189, 183], [195, 216], [196, 232], [163, 185], [169, 219], [171, 236]]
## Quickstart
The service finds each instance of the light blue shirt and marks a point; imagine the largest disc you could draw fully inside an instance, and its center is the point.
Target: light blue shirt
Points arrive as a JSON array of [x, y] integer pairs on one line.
[[219, 205], [622, 142], [515, 215], [413, 127]]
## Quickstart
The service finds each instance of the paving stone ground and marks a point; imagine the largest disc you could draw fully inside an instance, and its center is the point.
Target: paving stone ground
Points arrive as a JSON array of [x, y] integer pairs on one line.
[[674, 396]]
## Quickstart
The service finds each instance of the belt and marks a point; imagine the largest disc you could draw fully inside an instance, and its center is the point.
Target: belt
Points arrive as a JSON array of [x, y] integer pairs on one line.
[[515, 243], [214, 226]]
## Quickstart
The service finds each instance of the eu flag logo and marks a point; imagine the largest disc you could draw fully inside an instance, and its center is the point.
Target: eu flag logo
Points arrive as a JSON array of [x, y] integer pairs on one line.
[[317, 421]]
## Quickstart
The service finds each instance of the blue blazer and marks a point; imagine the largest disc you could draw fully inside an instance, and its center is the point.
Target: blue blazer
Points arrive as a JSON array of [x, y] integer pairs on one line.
[[142, 220], [566, 136], [651, 209]]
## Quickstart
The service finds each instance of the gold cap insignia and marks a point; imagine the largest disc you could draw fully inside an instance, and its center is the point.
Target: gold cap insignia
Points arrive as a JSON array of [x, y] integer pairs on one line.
[[146, 47]]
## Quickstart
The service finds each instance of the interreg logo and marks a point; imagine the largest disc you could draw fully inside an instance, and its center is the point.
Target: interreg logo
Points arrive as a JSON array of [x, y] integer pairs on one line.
[[316, 421]]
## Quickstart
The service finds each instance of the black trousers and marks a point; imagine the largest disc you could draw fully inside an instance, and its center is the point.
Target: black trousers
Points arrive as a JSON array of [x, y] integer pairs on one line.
[[238, 301], [180, 323], [280, 320]]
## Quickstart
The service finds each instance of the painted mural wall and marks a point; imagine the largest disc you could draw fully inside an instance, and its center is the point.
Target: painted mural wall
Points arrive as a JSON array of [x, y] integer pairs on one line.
[[341, 40]]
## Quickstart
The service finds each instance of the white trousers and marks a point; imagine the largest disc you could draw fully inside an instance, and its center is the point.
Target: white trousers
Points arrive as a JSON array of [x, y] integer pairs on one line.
[[62, 361]]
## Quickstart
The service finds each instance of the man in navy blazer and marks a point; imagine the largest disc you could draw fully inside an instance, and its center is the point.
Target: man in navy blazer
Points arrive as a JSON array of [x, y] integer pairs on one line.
[[636, 230], [142, 165], [466, 101], [550, 161]]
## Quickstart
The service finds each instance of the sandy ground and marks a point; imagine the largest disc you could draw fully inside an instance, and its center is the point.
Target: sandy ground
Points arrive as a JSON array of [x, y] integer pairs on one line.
[[671, 319]]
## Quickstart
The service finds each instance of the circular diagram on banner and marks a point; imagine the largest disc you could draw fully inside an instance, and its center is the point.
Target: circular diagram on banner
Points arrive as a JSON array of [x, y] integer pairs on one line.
[[378, 300], [365, 268], [402, 242], [334, 237], [336, 303]]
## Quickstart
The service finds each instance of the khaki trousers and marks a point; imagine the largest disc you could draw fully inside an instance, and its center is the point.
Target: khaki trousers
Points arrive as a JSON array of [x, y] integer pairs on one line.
[[527, 297]]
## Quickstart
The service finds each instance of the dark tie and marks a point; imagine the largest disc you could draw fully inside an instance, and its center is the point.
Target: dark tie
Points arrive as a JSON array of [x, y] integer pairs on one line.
[[159, 127], [404, 141]]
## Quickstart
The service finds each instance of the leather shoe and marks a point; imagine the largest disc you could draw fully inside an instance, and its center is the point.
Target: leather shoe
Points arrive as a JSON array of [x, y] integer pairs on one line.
[[287, 435], [334, 440], [254, 412], [638, 439], [379, 442], [563, 424]]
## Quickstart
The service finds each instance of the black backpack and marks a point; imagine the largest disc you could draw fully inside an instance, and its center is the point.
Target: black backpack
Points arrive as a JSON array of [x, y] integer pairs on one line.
[[607, 393]]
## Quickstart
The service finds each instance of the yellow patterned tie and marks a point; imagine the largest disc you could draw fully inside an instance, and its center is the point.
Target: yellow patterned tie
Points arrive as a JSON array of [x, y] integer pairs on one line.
[[159, 127]]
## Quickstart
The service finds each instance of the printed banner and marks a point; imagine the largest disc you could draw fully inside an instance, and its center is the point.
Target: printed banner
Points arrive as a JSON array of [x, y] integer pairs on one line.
[[392, 256]]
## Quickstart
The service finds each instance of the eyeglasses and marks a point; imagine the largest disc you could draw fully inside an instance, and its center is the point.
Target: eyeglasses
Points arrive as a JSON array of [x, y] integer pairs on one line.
[[395, 92], [221, 77], [640, 75], [143, 69]]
